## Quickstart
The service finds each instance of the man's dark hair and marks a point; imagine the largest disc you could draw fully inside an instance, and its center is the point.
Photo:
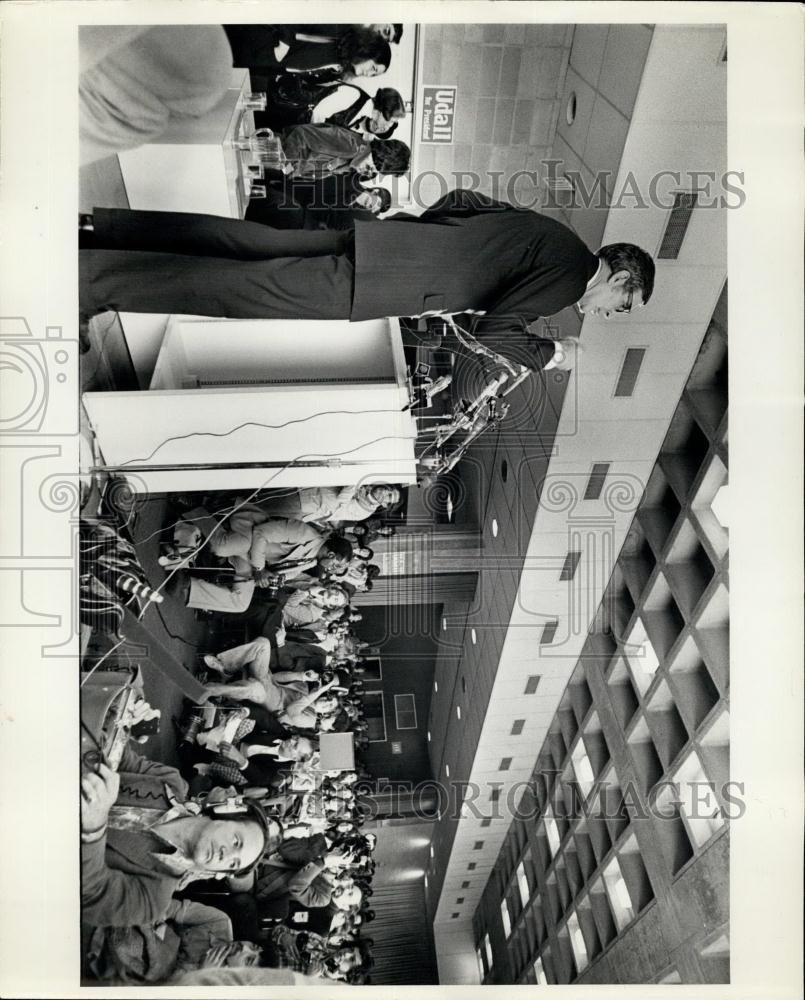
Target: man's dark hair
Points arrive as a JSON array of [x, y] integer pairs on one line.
[[391, 156], [398, 30], [338, 546], [256, 814], [385, 199], [389, 103], [628, 257], [359, 44]]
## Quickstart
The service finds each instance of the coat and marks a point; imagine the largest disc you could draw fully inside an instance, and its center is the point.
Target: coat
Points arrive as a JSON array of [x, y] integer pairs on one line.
[[283, 539], [307, 885], [468, 252], [322, 150], [122, 884]]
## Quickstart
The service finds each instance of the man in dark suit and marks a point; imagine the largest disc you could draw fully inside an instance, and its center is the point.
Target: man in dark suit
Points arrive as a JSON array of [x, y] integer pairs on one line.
[[466, 253]]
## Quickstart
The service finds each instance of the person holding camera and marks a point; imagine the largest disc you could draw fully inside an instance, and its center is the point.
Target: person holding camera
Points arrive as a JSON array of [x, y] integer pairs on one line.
[[142, 840]]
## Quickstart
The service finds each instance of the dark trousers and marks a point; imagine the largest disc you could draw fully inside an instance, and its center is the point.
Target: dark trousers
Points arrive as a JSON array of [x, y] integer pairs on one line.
[[180, 262]]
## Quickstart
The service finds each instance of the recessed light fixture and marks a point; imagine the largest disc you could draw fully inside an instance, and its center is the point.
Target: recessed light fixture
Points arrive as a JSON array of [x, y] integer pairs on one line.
[[435, 685], [447, 770], [431, 850], [444, 624], [428, 736], [473, 636], [458, 711], [495, 527]]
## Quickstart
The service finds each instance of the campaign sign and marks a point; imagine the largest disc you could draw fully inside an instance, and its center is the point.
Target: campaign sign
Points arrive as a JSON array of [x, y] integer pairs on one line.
[[438, 114]]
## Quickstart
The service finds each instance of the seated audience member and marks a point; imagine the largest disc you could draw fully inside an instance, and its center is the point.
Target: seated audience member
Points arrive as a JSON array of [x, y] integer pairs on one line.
[[329, 505], [193, 936], [134, 856], [364, 533], [314, 885], [258, 761], [314, 607], [283, 694], [251, 539], [285, 548], [314, 151], [374, 117], [135, 80]]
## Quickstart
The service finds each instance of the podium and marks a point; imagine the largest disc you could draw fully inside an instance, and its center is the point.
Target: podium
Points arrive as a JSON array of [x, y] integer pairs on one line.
[[249, 404], [193, 166]]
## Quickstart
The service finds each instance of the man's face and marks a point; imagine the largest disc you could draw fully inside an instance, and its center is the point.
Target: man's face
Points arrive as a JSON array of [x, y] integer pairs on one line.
[[368, 67], [386, 495], [370, 200], [610, 296], [332, 563], [378, 125], [296, 748], [328, 597], [226, 845], [363, 164], [345, 896], [243, 953]]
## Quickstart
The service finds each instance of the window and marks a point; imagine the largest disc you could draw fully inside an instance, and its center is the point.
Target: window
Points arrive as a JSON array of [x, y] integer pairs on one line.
[[374, 714], [505, 916], [522, 884], [583, 768], [539, 972], [531, 684], [372, 670], [618, 893], [627, 379], [570, 565], [488, 950], [577, 942], [595, 483], [517, 727], [478, 845], [552, 831], [678, 221], [505, 764], [697, 801], [548, 633], [641, 655], [405, 711]]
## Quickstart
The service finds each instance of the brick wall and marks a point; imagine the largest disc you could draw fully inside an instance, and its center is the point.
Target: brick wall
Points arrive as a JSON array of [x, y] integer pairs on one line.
[[509, 79]]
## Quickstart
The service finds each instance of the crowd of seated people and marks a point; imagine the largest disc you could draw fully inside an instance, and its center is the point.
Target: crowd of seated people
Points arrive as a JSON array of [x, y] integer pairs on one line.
[[252, 853]]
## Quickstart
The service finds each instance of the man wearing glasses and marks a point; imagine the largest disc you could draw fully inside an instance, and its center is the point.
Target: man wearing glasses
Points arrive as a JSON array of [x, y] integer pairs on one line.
[[465, 254], [612, 289]]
